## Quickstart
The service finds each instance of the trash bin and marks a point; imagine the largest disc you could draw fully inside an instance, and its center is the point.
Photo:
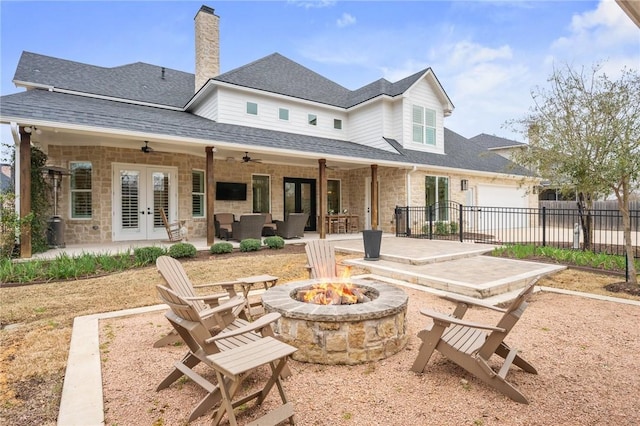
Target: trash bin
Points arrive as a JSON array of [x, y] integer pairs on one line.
[[372, 239], [55, 232]]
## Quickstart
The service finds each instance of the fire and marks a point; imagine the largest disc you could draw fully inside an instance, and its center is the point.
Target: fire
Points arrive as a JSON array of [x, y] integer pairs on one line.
[[331, 294]]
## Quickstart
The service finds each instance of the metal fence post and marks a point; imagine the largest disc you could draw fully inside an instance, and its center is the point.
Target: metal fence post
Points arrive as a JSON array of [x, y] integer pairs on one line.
[[544, 226], [461, 221]]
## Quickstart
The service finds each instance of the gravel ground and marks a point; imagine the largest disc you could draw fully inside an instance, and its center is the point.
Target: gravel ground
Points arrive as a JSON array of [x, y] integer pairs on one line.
[[586, 353]]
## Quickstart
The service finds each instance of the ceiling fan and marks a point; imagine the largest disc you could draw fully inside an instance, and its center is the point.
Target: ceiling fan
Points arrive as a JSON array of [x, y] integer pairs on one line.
[[247, 159], [146, 148]]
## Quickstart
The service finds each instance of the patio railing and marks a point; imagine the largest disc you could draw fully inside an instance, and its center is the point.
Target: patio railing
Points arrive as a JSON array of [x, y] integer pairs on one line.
[[554, 227]]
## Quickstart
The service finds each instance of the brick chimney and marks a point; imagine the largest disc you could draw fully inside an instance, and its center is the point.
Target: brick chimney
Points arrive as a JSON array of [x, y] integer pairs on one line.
[[207, 46]]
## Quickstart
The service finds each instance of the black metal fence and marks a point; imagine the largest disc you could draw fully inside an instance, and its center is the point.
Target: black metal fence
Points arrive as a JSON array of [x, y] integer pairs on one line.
[[545, 226]]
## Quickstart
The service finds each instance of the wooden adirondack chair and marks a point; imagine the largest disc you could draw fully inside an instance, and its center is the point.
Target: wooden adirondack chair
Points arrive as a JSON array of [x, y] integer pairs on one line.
[[174, 230], [321, 260], [205, 305], [202, 344], [470, 345]]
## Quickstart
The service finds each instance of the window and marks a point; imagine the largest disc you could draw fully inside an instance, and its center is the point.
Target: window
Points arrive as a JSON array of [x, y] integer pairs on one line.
[[81, 202], [312, 119], [197, 193], [333, 195], [437, 194], [260, 185], [252, 108], [424, 125], [283, 114], [337, 124]]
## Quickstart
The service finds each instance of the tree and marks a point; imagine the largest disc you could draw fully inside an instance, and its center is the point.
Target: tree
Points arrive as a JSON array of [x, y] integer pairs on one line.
[[584, 133]]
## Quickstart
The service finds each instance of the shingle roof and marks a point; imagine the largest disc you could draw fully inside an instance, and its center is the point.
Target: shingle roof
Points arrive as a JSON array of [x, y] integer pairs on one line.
[[145, 83], [138, 82], [68, 109], [489, 141]]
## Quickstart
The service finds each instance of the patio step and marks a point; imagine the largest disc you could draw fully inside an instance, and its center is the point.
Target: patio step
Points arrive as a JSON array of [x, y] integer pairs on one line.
[[477, 276]]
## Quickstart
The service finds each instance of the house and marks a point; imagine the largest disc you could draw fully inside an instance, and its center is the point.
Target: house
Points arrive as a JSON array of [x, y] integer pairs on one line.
[[270, 136], [6, 178]]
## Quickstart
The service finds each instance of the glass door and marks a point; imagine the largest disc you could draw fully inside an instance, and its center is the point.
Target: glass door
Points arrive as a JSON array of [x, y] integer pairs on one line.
[[300, 197], [139, 192]]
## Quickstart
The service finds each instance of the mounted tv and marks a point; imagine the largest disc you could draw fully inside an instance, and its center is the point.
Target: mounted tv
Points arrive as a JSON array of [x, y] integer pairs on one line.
[[231, 191]]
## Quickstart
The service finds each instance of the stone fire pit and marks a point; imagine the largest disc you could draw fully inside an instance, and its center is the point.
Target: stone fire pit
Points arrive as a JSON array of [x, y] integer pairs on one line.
[[340, 334]]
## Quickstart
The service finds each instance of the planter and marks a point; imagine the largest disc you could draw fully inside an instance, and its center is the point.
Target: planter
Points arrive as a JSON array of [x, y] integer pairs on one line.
[[372, 239]]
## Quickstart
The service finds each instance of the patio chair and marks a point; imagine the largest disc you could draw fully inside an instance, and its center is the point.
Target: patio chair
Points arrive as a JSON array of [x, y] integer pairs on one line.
[[293, 227], [223, 223], [202, 344], [174, 230], [207, 306], [249, 226], [470, 345], [269, 228], [321, 261]]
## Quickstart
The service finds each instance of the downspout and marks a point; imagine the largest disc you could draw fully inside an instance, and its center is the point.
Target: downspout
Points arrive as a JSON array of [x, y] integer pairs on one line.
[[16, 166]]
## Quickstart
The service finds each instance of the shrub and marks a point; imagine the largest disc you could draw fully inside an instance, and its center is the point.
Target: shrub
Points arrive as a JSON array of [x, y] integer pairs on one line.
[[250, 244], [274, 242], [221, 248], [182, 250], [453, 226], [147, 255], [442, 228]]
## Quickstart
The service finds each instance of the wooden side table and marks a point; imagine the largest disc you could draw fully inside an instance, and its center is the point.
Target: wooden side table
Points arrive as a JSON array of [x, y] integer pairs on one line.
[[254, 307], [233, 366]]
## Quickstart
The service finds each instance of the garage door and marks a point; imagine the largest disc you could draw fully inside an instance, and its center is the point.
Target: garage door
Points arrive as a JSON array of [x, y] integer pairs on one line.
[[501, 207]]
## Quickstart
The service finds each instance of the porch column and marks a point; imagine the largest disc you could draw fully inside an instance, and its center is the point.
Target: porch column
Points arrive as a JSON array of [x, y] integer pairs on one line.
[[374, 196], [25, 192], [322, 183], [211, 229]]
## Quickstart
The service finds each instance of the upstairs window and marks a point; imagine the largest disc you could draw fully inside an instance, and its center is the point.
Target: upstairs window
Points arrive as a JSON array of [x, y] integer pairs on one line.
[[424, 125], [197, 193], [337, 124], [252, 108], [283, 114], [312, 119], [81, 199]]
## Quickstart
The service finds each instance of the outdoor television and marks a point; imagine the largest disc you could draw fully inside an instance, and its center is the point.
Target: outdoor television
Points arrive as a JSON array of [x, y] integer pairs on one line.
[[231, 191]]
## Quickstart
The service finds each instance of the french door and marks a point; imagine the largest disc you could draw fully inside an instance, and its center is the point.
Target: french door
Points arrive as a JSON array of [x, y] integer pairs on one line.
[[138, 193], [300, 197]]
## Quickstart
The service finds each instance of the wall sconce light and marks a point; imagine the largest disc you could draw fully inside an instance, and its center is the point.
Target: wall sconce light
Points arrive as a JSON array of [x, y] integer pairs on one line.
[[464, 184]]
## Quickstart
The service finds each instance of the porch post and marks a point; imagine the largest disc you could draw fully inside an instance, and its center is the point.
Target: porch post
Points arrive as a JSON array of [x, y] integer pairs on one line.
[[25, 192], [322, 179], [211, 229], [374, 196]]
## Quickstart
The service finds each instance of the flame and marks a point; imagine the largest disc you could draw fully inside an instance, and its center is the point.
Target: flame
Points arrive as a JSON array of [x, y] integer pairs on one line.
[[331, 294]]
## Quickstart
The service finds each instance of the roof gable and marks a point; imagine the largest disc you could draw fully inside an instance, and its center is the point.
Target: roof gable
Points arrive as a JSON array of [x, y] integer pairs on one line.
[[278, 74]]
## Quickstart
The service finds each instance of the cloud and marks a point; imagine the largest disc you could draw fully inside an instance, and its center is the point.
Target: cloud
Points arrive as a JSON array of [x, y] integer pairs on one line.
[[345, 20], [312, 4]]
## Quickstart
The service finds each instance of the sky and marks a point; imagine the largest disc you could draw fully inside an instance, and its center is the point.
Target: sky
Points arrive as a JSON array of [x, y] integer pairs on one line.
[[488, 55]]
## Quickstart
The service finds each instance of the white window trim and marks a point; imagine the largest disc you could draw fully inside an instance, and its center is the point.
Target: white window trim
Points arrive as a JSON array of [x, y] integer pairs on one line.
[[288, 114], [424, 126], [341, 124], [204, 193], [71, 191]]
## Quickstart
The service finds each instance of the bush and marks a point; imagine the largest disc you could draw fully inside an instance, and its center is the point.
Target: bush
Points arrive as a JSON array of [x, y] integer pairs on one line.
[[454, 227], [182, 250], [250, 244], [274, 242], [221, 248], [147, 255]]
